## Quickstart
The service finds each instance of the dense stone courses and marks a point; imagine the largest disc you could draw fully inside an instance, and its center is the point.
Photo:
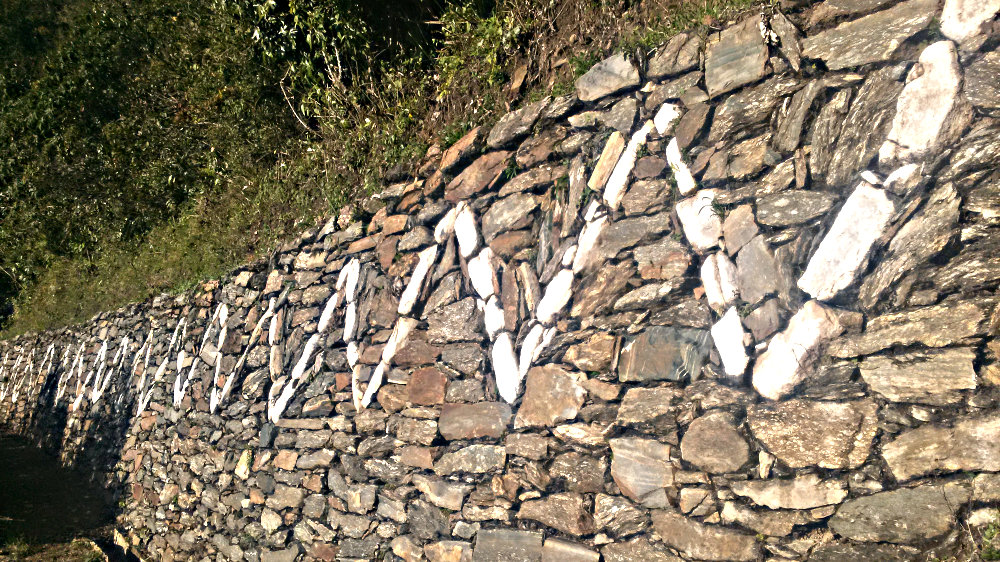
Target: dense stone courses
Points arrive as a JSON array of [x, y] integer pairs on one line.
[[735, 298]]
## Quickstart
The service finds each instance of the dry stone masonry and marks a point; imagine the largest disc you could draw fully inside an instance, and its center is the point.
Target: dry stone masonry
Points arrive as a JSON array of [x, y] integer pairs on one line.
[[737, 302]]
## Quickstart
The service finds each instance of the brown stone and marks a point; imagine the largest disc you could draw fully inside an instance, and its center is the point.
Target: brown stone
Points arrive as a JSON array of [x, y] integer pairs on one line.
[[564, 512], [552, 394], [477, 177], [704, 542], [595, 354], [285, 459], [803, 433], [426, 386], [470, 421], [463, 150]]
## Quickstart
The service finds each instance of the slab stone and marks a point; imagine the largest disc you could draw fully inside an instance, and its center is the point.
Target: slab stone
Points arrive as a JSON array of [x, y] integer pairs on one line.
[[872, 38], [802, 492], [463, 150], [844, 251], [801, 433], [838, 551], [981, 87], [564, 512], [678, 55], [934, 377], [477, 176], [930, 114], [474, 458], [758, 272], [664, 353], [507, 212], [460, 321], [735, 57], [471, 421], [730, 341], [739, 228], [790, 208], [638, 549], [650, 405], [583, 473], [626, 233], [713, 444], [971, 444], [516, 124], [640, 466], [663, 260], [940, 325], [792, 352], [505, 545], [750, 106], [765, 522], [704, 542], [621, 116], [607, 77], [891, 517], [552, 395], [597, 291], [442, 493]]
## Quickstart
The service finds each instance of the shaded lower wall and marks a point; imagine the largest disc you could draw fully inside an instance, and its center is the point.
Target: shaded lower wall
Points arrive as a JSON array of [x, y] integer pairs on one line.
[[760, 325]]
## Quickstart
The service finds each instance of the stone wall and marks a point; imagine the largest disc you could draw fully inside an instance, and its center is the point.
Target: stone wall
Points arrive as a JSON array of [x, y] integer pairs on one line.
[[738, 303]]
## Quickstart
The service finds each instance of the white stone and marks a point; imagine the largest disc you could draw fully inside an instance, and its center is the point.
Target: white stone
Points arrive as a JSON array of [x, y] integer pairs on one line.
[[790, 354], [718, 275], [963, 19], [350, 275], [682, 173], [930, 113], [409, 297], [466, 230], [618, 181], [531, 342], [493, 317], [666, 118], [331, 306], [568, 256], [902, 179], [352, 353], [844, 250], [350, 321], [589, 236], [729, 339], [505, 368], [446, 226], [557, 294], [482, 274], [592, 210], [700, 221], [399, 335]]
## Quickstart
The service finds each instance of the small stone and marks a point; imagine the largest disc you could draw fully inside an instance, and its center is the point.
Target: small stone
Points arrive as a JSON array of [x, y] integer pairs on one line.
[[606, 163], [515, 124], [704, 542], [678, 55], [666, 259], [618, 517], [758, 272], [460, 321], [691, 124], [621, 116], [718, 276], [891, 517], [504, 545], [564, 512], [750, 105], [803, 492], [607, 77], [712, 444], [640, 466], [655, 406], [448, 551], [803, 433], [448, 495], [739, 228], [972, 444], [869, 39], [735, 57], [644, 196], [794, 207], [764, 320], [700, 221], [476, 459], [470, 421], [426, 386], [552, 394], [594, 354], [664, 353]]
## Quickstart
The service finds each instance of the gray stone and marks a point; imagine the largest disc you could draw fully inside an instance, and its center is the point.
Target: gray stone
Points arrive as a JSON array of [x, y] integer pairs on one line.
[[645, 297], [704, 542], [920, 239], [749, 157], [790, 208], [666, 259], [449, 495], [621, 116], [317, 459], [802, 492], [713, 444], [678, 55], [607, 77], [839, 551], [533, 179], [869, 39], [758, 272], [934, 377], [826, 130], [940, 325], [448, 551], [735, 57], [649, 406], [515, 124], [866, 125], [625, 233], [640, 467], [790, 40], [286, 496], [691, 124], [972, 444], [976, 267], [739, 228], [982, 89], [750, 106], [892, 517], [470, 421], [507, 212], [618, 517], [638, 549], [598, 290], [644, 196], [803, 433], [664, 353], [426, 521], [289, 554], [552, 394], [564, 512], [764, 320], [460, 321], [474, 458], [675, 89], [503, 545], [789, 132], [583, 474], [770, 523]]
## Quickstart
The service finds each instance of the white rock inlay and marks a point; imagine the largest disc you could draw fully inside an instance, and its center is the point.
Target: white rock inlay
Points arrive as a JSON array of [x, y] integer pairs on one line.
[[618, 181], [730, 339], [718, 275], [790, 354], [700, 221], [682, 173]]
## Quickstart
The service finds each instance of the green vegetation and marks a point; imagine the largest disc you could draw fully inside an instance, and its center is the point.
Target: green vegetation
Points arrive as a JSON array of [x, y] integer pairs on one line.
[[990, 546], [145, 146]]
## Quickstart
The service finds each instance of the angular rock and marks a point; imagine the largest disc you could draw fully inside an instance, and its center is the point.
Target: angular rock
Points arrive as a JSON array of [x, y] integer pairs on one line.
[[618, 517], [749, 157], [448, 551], [891, 517], [663, 260], [552, 395], [801, 433], [650, 405], [621, 116], [664, 353], [869, 39], [704, 542], [625, 233], [477, 176], [638, 549], [940, 325], [474, 458], [700, 221], [790, 208], [981, 87], [770, 523], [678, 55], [515, 124], [449, 495], [607, 77], [598, 290], [934, 377], [786, 138], [463, 150], [749, 106], [471, 421], [558, 550], [644, 196], [791, 353], [930, 113], [976, 267], [640, 466], [613, 149], [735, 57], [718, 276], [691, 124], [564, 512], [503, 545], [427, 386], [825, 131], [964, 19], [739, 228], [460, 321], [972, 444], [729, 339], [713, 444], [758, 272], [593, 354], [583, 474], [507, 212], [835, 552], [803, 492]]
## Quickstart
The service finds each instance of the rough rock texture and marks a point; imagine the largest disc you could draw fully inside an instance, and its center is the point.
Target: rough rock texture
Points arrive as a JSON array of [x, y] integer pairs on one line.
[[891, 517], [812, 433], [973, 443]]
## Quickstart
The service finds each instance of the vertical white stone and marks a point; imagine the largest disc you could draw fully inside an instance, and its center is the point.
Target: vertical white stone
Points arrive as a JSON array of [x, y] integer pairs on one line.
[[618, 181], [483, 274], [730, 338], [409, 297], [466, 231], [505, 367], [682, 173], [718, 275], [700, 220], [557, 294]]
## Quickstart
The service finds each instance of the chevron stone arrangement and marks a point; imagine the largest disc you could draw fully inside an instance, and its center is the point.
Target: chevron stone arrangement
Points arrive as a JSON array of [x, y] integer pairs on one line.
[[735, 301]]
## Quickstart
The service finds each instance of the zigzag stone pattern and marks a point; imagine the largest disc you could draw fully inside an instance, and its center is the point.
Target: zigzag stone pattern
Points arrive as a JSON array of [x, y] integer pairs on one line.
[[738, 304]]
